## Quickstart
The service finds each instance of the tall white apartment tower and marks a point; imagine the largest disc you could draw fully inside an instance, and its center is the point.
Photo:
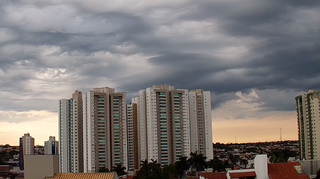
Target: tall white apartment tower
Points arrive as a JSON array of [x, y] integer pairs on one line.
[[142, 126], [104, 129], [308, 117], [200, 122], [167, 118], [70, 134], [51, 146], [132, 132], [26, 147]]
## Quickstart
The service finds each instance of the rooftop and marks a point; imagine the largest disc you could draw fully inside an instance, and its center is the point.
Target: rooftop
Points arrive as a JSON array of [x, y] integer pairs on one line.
[[285, 171], [214, 175], [83, 176]]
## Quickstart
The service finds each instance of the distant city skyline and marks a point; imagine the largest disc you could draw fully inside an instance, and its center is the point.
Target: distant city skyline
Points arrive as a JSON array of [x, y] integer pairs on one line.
[[254, 57]]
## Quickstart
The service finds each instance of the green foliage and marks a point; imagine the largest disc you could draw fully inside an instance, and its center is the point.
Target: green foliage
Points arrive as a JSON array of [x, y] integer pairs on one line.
[[318, 174], [119, 169], [197, 161], [217, 165], [153, 170], [103, 170], [181, 166], [279, 156]]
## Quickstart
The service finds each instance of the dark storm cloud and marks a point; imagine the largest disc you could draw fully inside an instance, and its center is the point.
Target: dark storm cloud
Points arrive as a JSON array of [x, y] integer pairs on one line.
[[278, 42]]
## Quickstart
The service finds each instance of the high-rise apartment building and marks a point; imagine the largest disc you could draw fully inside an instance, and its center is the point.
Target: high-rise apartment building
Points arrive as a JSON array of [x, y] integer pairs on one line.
[[71, 134], [104, 129], [26, 147], [132, 132], [142, 126], [308, 115], [51, 146], [167, 123], [200, 122], [173, 123]]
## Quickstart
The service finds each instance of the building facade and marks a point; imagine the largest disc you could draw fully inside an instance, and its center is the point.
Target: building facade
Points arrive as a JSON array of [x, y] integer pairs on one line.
[[26, 147], [51, 146], [142, 126], [308, 117], [98, 130], [200, 122], [104, 129], [132, 131], [167, 123], [41, 166], [172, 123], [71, 133]]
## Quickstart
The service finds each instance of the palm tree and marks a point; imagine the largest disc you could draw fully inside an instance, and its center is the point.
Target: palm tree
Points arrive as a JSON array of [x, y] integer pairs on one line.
[[216, 165], [181, 166], [197, 161], [103, 170], [318, 174], [153, 170], [119, 169], [144, 165]]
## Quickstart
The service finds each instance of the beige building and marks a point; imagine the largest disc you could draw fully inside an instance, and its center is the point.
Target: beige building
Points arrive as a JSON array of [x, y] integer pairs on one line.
[[104, 129], [26, 147], [51, 146], [167, 123], [308, 115], [132, 126], [40, 166]]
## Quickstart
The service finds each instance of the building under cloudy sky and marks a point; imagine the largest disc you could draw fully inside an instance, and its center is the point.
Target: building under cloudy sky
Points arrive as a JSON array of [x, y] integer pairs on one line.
[[254, 57]]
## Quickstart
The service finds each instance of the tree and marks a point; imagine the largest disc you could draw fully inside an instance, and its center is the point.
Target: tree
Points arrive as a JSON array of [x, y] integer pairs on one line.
[[197, 161], [103, 170], [216, 165], [119, 169], [181, 166], [234, 159], [278, 156], [318, 174], [153, 170]]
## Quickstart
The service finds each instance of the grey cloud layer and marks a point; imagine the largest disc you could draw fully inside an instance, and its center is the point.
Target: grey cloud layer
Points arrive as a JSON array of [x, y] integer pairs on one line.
[[48, 49]]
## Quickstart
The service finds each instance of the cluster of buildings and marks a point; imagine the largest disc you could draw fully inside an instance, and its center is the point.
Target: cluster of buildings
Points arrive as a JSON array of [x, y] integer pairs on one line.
[[27, 147], [98, 129]]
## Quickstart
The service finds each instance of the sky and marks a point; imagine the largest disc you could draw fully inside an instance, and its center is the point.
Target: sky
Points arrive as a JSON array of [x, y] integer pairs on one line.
[[254, 56]]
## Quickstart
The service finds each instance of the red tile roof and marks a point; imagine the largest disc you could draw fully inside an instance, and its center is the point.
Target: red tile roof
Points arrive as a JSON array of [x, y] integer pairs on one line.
[[128, 177], [82, 176], [242, 174], [285, 171], [214, 175], [236, 167]]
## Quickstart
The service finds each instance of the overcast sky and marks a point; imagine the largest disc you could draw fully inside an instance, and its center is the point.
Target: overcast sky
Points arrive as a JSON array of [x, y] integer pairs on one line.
[[254, 56]]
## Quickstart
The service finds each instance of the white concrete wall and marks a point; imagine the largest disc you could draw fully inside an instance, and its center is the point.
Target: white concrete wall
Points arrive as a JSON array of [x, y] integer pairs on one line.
[[193, 121], [261, 166], [185, 124], [208, 124], [142, 126], [85, 132], [152, 129], [124, 132]]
